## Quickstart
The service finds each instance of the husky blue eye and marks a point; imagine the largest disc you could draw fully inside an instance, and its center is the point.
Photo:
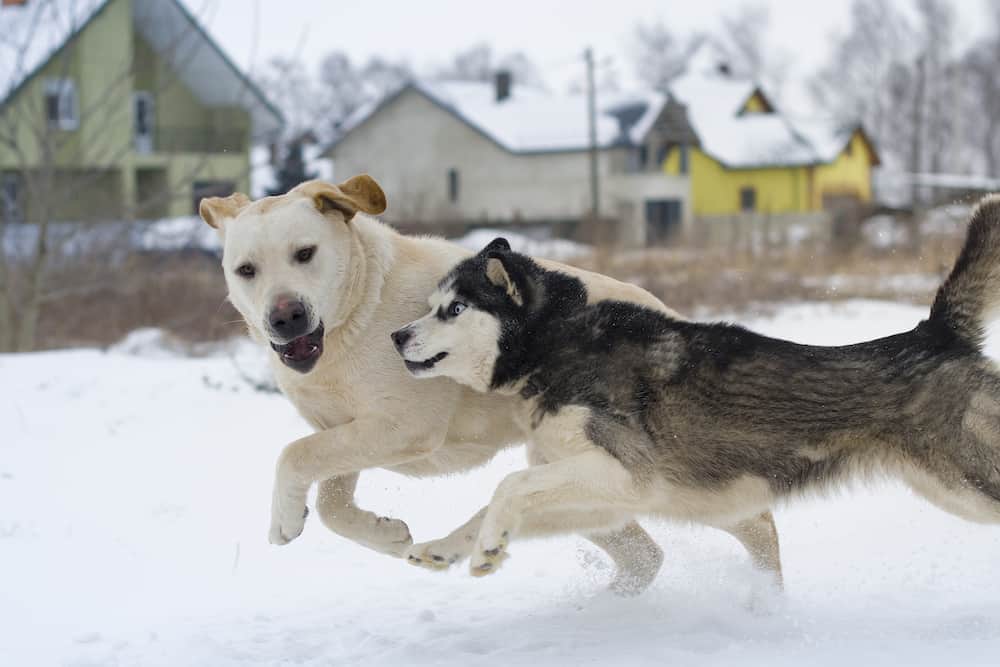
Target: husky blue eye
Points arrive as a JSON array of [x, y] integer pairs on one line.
[[456, 308]]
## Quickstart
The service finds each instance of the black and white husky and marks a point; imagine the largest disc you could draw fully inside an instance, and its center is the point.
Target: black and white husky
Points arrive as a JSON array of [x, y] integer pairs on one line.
[[632, 412]]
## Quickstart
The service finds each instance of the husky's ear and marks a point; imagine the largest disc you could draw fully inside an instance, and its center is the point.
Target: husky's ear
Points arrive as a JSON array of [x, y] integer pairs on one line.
[[215, 210], [499, 244], [496, 273], [358, 193]]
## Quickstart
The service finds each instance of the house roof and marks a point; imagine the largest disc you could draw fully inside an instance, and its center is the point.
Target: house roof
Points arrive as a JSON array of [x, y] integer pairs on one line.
[[830, 139], [31, 34], [739, 140], [529, 120], [35, 32]]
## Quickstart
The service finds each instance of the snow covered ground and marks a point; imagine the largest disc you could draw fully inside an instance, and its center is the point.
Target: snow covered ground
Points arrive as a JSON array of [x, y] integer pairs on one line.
[[134, 495]]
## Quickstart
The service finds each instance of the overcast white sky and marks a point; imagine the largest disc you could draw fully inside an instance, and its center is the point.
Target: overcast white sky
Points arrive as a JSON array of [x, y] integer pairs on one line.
[[552, 33]]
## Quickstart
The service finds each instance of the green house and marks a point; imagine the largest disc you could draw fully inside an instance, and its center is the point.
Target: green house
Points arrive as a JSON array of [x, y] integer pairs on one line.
[[119, 109]]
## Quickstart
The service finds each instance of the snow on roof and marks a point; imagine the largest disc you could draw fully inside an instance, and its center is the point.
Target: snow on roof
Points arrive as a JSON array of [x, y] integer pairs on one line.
[[201, 65], [714, 103], [530, 120], [826, 136], [30, 34]]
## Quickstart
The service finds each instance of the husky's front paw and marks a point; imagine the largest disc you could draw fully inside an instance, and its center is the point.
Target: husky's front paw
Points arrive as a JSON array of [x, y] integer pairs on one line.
[[287, 524], [488, 555], [432, 555]]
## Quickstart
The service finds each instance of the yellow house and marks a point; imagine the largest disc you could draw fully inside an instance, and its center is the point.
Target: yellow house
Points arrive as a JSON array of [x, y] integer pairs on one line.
[[751, 158]]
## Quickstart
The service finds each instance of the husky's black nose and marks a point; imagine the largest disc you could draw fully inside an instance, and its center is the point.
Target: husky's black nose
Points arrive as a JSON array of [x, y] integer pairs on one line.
[[400, 337], [288, 318]]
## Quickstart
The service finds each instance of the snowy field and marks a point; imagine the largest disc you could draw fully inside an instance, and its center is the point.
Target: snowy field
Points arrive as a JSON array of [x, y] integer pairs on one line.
[[134, 494]]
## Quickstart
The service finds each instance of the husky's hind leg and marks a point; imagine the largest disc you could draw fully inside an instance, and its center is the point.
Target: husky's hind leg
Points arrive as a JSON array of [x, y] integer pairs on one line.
[[962, 476], [760, 538], [637, 557]]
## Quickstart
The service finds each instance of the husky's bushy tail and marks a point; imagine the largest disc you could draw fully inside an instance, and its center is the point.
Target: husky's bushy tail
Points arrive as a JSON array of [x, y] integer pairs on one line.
[[971, 294]]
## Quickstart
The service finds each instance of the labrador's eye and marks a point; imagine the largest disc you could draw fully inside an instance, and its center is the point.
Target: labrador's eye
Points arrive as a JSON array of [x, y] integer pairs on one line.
[[246, 270], [456, 308], [303, 255]]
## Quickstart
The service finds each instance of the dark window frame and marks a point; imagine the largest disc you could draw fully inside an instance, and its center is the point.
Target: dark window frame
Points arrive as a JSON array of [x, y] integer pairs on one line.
[[662, 153], [10, 199], [664, 219], [62, 105], [748, 199], [453, 185]]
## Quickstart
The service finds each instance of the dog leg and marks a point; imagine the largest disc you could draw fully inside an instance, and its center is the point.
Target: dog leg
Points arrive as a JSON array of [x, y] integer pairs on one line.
[[637, 557], [336, 508], [332, 453], [592, 479], [760, 538], [445, 552]]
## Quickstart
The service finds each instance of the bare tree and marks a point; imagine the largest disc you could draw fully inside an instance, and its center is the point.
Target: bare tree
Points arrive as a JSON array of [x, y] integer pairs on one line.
[[479, 63], [869, 77], [979, 102], [304, 101], [937, 131], [319, 104], [741, 44], [64, 153], [660, 56], [472, 64], [382, 77]]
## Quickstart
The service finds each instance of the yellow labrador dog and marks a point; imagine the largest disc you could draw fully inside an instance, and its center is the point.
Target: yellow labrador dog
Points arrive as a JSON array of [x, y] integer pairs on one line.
[[322, 286]]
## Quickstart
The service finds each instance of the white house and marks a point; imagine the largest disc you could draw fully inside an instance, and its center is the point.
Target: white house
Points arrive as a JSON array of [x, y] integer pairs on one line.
[[472, 153]]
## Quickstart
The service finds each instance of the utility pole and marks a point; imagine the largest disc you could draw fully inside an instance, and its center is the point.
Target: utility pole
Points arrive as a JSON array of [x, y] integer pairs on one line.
[[595, 193]]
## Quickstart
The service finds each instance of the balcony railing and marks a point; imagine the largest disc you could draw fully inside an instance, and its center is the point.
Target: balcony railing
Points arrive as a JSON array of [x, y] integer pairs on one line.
[[193, 140]]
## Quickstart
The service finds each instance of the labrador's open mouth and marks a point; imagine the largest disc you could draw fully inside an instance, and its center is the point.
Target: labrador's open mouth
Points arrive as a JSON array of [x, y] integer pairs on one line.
[[302, 353], [426, 364]]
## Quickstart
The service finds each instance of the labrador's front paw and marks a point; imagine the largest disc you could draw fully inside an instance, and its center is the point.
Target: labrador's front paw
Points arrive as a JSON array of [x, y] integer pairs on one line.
[[287, 522], [390, 536]]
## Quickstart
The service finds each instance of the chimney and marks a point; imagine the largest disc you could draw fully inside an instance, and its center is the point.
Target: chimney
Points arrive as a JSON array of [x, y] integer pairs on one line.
[[503, 79]]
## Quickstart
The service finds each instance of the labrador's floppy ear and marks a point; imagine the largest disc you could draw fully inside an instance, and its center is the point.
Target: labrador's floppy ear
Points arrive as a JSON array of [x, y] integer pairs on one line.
[[213, 210], [496, 273], [358, 193]]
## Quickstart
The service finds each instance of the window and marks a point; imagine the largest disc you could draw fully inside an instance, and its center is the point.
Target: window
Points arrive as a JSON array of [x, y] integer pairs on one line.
[[663, 219], [684, 166], [453, 185], [61, 109], [661, 155], [748, 199], [10, 199], [636, 159], [142, 118]]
